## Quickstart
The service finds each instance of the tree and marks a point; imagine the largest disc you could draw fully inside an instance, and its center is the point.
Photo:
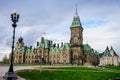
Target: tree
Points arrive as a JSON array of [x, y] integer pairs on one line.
[[5, 59]]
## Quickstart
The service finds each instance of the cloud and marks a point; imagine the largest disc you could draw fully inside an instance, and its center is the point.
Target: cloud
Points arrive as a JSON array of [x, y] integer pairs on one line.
[[99, 36]]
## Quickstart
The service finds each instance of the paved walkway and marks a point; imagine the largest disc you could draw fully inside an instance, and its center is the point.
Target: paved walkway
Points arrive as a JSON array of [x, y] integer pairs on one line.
[[4, 69]]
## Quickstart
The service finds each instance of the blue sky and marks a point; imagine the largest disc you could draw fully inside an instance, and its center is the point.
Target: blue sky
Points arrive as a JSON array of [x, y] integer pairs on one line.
[[99, 18]]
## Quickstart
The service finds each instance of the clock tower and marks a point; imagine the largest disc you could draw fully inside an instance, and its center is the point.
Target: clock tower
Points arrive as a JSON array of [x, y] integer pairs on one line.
[[76, 40]]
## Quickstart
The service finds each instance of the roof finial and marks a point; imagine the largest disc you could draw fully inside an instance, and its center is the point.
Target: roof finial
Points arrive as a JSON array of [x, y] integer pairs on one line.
[[76, 13]]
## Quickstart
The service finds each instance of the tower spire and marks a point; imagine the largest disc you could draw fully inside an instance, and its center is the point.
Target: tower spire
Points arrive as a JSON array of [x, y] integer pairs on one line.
[[76, 12], [76, 21]]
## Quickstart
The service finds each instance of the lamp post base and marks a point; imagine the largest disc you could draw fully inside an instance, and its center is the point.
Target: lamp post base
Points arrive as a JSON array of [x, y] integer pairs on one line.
[[10, 76]]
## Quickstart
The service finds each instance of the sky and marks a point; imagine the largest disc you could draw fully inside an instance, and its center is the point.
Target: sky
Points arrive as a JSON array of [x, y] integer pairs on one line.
[[100, 20]]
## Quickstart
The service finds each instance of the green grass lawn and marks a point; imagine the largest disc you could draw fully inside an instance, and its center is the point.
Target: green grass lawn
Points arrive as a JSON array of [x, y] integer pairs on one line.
[[71, 73], [113, 67]]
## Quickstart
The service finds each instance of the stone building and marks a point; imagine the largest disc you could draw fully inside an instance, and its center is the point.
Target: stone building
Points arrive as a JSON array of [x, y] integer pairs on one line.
[[109, 57], [46, 51]]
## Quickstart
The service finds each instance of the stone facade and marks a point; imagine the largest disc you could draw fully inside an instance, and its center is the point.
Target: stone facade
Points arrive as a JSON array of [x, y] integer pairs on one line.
[[48, 52], [57, 54]]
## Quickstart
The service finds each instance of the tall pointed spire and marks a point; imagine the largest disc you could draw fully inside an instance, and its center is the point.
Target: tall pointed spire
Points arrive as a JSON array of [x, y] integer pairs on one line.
[[76, 13], [76, 21]]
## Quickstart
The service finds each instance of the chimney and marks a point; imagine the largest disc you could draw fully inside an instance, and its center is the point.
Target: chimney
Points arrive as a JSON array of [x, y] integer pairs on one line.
[[61, 44], [42, 39], [54, 45], [37, 43]]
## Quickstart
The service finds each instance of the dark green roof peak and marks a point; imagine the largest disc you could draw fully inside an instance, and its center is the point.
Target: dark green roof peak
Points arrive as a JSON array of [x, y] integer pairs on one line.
[[76, 20]]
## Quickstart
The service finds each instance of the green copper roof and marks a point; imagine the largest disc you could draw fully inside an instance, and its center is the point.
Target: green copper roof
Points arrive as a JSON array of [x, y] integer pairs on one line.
[[51, 49], [32, 50], [96, 52], [86, 47], [57, 49], [23, 49], [106, 53], [41, 45], [46, 43], [61, 48], [67, 46], [76, 22], [27, 50], [51, 43]]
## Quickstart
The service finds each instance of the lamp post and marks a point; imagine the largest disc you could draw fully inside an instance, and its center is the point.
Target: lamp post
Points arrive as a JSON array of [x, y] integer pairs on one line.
[[11, 75]]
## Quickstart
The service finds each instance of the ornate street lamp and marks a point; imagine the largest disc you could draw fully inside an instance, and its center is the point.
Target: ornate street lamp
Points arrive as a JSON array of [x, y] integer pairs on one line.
[[11, 75]]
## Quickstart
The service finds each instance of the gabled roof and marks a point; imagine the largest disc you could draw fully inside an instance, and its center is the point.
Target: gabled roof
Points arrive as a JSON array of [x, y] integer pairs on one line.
[[86, 47]]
